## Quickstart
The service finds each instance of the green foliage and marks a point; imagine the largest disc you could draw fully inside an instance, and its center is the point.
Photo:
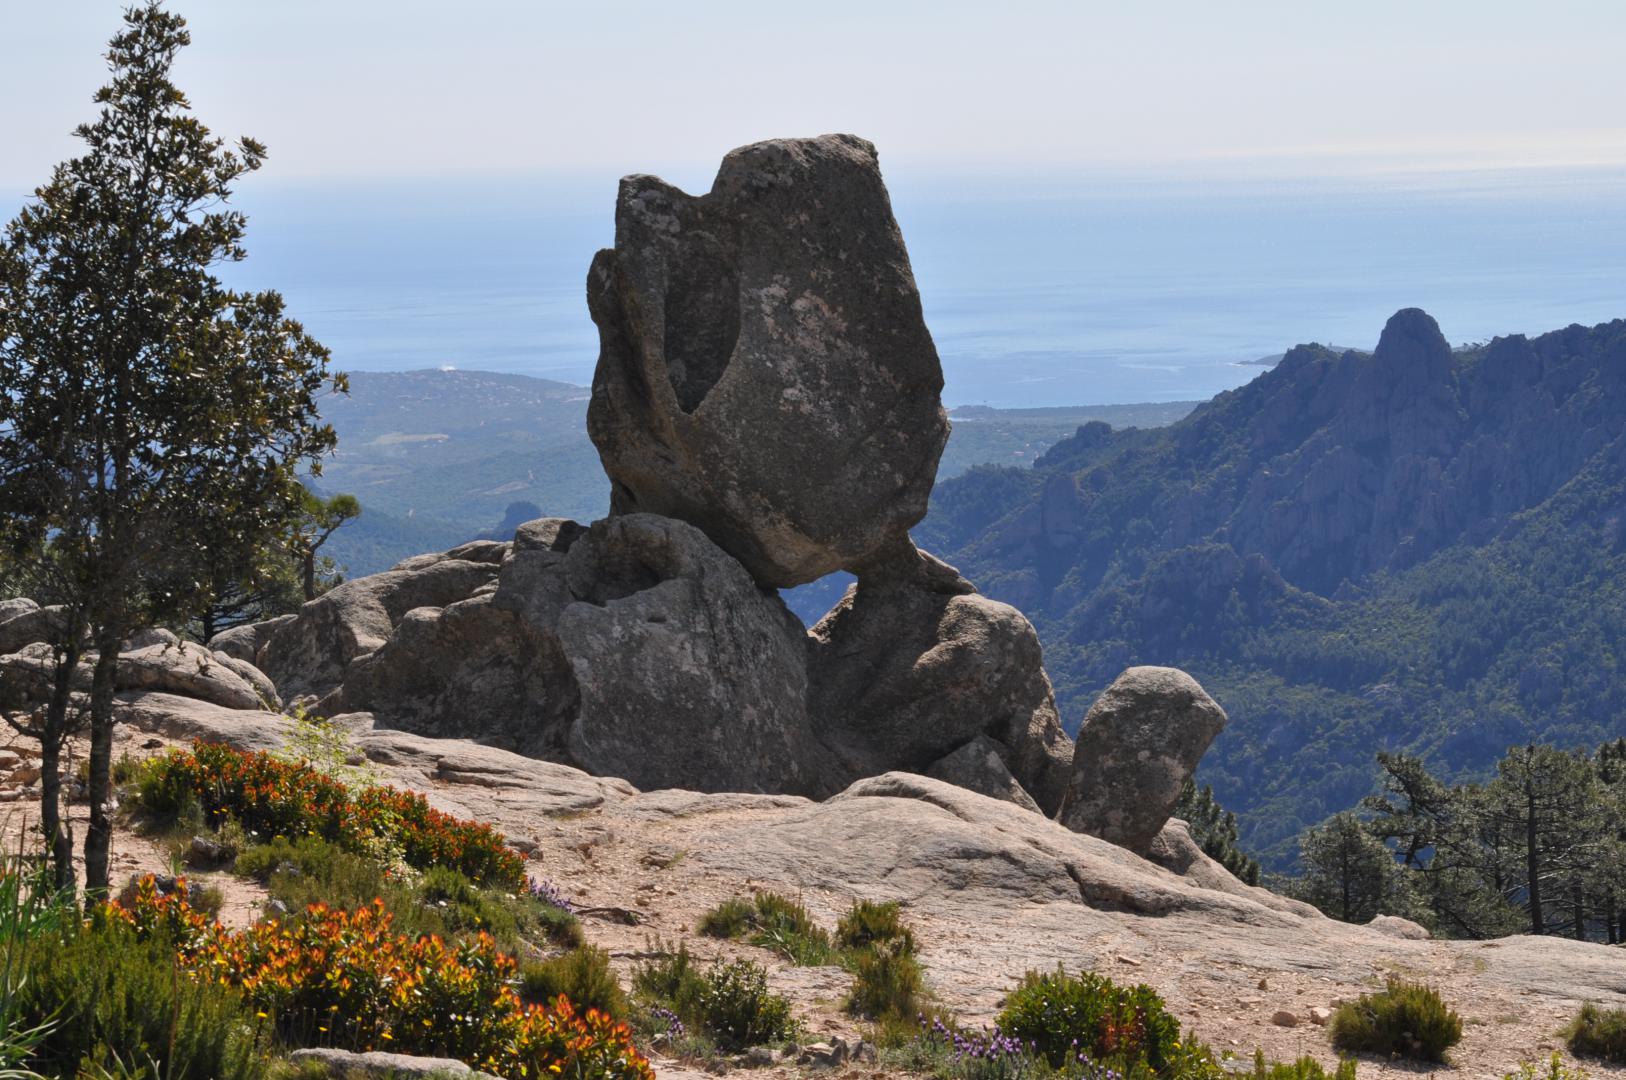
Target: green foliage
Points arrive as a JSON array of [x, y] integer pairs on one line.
[[729, 919], [117, 1003], [674, 980], [1066, 1015], [1305, 1068], [887, 982], [738, 1009], [868, 923], [153, 423], [326, 747], [312, 870], [773, 922], [317, 521], [583, 975], [729, 1002], [30, 909], [1403, 1020], [1349, 874], [1598, 1033], [1553, 1068], [270, 797], [1215, 831], [465, 908]]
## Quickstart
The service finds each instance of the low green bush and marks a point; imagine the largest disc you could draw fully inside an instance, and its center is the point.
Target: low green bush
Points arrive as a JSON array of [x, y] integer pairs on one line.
[[1598, 1033], [1402, 1020], [774, 922], [729, 1004], [738, 1009], [867, 923], [1065, 1015], [311, 870], [730, 919], [673, 980], [117, 1005], [887, 982], [1553, 1068], [583, 975], [1305, 1068]]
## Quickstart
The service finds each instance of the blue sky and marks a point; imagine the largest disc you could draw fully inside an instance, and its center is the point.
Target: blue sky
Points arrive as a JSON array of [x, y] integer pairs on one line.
[[361, 88]]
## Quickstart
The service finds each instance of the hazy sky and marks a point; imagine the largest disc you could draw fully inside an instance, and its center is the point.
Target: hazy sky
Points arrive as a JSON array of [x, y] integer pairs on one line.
[[353, 88]]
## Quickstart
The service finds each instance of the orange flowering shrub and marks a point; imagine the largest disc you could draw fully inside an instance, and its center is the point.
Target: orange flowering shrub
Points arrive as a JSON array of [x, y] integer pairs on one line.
[[349, 979], [279, 798]]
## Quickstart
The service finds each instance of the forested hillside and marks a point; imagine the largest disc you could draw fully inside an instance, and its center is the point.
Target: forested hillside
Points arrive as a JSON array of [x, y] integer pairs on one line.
[[1415, 550]]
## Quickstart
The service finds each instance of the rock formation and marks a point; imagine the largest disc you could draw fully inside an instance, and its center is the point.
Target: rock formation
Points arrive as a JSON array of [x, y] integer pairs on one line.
[[636, 648], [765, 371], [767, 409], [912, 666], [1140, 742]]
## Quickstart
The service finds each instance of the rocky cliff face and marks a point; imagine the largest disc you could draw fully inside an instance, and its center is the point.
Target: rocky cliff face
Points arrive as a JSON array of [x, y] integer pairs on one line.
[[1352, 549]]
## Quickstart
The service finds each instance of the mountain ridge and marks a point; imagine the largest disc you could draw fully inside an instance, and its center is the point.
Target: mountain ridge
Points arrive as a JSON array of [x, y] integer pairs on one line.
[[1409, 549]]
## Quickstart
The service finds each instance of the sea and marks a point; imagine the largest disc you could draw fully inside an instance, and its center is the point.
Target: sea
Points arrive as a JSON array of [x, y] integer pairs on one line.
[[1051, 289]]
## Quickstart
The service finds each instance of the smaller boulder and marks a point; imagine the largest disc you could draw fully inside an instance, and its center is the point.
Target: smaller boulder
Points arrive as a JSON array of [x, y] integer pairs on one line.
[[244, 642], [376, 1063], [29, 625], [10, 609], [190, 671], [1396, 927], [979, 766], [1139, 743]]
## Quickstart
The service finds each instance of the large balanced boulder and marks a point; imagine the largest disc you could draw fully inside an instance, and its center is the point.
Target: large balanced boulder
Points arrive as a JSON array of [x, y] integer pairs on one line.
[[1139, 743], [765, 371], [912, 665]]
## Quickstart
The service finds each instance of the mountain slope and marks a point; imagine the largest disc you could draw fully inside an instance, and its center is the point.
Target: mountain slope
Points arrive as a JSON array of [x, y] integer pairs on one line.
[[1412, 548]]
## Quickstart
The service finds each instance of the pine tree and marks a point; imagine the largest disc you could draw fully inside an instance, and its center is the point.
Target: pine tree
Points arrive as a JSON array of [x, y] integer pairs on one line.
[[1349, 873], [1545, 809], [1215, 830]]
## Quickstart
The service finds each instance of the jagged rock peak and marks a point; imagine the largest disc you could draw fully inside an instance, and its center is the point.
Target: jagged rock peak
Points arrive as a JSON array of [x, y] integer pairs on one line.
[[765, 372], [1413, 332]]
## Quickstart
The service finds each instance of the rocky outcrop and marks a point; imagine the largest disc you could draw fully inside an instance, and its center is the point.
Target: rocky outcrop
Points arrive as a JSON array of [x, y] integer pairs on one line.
[[690, 675], [467, 668], [245, 642], [29, 623], [980, 766], [310, 654], [1138, 745], [913, 665], [765, 371], [186, 670], [636, 648], [192, 671]]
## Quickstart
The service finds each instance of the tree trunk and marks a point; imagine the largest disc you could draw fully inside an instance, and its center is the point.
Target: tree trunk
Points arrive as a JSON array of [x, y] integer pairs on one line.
[[58, 835], [1343, 861], [308, 568], [1532, 865], [1578, 901], [99, 837]]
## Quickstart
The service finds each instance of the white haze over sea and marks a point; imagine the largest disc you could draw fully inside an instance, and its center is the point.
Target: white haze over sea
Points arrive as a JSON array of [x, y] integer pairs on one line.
[[1057, 291]]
